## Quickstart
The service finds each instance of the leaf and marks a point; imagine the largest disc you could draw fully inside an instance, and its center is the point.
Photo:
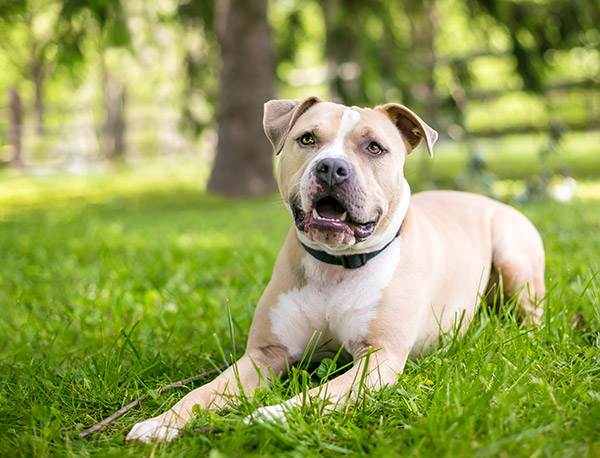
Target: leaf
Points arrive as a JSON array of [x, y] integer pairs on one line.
[[326, 368]]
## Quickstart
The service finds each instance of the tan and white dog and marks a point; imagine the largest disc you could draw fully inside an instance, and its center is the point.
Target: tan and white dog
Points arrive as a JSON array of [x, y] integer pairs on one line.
[[365, 265]]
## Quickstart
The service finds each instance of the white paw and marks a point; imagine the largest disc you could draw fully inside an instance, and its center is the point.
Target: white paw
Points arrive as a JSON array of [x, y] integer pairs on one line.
[[269, 413], [150, 430]]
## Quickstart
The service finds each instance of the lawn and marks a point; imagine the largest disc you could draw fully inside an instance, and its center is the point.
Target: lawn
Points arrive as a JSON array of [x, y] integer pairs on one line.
[[114, 285]]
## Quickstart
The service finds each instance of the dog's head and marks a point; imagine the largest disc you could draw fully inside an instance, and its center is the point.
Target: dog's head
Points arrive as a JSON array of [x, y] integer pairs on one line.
[[341, 169]]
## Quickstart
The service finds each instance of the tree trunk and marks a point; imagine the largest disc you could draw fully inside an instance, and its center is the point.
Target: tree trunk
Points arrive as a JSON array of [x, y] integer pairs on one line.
[[37, 73], [244, 160], [15, 131], [423, 35], [114, 130]]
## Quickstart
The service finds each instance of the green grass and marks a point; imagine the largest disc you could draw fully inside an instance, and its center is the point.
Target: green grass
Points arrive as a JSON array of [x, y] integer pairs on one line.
[[112, 286]]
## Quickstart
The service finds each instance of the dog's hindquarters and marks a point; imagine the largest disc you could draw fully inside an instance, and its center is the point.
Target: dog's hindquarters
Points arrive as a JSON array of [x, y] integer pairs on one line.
[[473, 232], [518, 261]]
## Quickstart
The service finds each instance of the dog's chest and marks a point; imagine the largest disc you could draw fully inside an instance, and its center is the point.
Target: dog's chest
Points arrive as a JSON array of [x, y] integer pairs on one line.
[[336, 305]]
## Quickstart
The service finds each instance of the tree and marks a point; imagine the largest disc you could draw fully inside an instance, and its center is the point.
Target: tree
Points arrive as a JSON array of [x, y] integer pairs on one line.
[[106, 21], [15, 130], [458, 62], [39, 36], [34, 25], [243, 163], [536, 28], [196, 19], [114, 127]]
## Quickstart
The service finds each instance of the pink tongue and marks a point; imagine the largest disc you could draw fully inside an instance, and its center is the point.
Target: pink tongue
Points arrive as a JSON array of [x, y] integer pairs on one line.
[[329, 208]]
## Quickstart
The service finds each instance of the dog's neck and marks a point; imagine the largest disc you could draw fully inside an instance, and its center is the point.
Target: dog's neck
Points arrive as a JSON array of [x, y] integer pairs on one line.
[[376, 246]]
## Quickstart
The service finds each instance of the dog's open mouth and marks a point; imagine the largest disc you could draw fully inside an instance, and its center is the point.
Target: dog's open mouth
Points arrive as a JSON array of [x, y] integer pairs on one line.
[[330, 222]]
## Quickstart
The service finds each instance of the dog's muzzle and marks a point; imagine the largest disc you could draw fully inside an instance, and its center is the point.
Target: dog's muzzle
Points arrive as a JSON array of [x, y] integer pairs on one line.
[[333, 215]]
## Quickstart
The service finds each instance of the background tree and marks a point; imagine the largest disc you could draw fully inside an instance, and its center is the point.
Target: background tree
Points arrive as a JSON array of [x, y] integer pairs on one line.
[[32, 24], [537, 33], [475, 69], [411, 52], [15, 130], [243, 162], [201, 61], [538, 29], [240, 32], [107, 22]]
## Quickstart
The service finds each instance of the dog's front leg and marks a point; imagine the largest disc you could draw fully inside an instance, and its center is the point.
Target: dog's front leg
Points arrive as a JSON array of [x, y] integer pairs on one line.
[[372, 371], [251, 371]]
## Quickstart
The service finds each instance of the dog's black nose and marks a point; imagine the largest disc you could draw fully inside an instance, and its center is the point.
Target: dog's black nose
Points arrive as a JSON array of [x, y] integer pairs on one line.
[[332, 171]]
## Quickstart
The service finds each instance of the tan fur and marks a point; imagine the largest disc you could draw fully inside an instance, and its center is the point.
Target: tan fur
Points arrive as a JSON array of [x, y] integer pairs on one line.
[[451, 243]]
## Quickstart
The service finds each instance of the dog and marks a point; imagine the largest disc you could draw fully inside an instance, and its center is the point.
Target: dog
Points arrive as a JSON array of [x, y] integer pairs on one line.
[[366, 266]]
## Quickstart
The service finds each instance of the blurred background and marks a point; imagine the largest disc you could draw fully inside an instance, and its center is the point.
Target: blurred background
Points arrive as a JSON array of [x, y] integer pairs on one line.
[[513, 87]]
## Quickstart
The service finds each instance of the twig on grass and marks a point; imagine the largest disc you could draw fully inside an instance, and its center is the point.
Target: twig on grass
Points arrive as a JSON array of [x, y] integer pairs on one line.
[[206, 431], [123, 410]]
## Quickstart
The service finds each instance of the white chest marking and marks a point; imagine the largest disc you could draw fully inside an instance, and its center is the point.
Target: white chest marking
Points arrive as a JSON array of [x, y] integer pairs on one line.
[[335, 302]]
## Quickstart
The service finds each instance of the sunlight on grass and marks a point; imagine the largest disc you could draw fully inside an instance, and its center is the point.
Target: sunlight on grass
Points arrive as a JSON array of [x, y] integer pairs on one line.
[[61, 189], [589, 190], [570, 189], [205, 241], [509, 158]]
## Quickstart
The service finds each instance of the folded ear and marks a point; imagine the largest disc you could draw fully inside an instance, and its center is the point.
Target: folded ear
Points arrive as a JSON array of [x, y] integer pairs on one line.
[[280, 115], [410, 126]]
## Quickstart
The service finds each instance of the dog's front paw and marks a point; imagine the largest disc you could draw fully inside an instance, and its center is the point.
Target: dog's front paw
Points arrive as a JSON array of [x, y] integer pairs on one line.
[[152, 429], [269, 413]]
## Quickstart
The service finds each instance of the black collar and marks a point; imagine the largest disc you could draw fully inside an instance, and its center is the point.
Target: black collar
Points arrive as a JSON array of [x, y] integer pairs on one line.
[[352, 261]]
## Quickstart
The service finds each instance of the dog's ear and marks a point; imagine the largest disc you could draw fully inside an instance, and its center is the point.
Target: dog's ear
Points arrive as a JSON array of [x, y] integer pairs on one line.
[[410, 126], [280, 115]]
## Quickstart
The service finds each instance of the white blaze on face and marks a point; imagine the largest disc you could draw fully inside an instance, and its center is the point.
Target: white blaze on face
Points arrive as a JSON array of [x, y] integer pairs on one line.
[[349, 121], [336, 150]]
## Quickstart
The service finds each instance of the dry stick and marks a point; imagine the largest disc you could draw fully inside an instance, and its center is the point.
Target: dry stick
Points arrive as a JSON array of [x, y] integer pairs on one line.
[[123, 410], [204, 431]]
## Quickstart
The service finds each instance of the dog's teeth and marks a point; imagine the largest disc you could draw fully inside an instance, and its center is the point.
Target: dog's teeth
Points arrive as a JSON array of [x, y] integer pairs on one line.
[[323, 218]]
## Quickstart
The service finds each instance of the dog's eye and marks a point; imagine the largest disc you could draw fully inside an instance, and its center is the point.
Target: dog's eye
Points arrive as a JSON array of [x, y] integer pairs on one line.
[[307, 139], [374, 148]]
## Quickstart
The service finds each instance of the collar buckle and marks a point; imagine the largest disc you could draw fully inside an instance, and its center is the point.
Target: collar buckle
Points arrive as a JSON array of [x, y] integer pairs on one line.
[[354, 261]]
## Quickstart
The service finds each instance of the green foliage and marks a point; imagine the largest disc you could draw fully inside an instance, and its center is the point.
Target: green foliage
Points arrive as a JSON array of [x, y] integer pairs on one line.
[[197, 17], [105, 23], [193, 11], [49, 32], [12, 8], [536, 28], [467, 67], [27, 36], [113, 286]]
